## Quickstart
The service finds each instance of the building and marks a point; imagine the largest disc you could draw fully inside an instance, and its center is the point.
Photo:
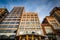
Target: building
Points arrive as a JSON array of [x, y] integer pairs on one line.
[[3, 13], [56, 13], [9, 25], [50, 20], [29, 28], [48, 31], [20, 25], [47, 28]]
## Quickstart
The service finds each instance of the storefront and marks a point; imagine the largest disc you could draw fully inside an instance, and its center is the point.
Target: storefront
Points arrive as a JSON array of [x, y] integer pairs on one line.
[[51, 36], [29, 37]]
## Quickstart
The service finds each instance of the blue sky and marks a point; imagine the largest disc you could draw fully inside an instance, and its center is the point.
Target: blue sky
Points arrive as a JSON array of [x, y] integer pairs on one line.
[[42, 7]]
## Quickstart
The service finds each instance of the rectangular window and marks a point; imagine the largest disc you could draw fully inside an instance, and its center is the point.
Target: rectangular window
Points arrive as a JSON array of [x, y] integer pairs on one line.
[[48, 30], [3, 26], [22, 22], [12, 22], [27, 22], [16, 22], [9, 26], [21, 27], [4, 22], [13, 26], [56, 26], [7, 31]]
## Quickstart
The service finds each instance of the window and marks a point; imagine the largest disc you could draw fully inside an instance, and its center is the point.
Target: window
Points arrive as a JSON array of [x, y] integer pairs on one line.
[[7, 31], [8, 19], [28, 27], [3, 26], [55, 25], [18, 19], [22, 22], [14, 19], [1, 22], [37, 26], [13, 26], [27, 22], [12, 22], [28, 16], [16, 22], [10, 26], [52, 21], [31, 15], [23, 19], [48, 30], [32, 19], [35, 15], [24, 15], [37, 22], [36, 19], [21, 27], [6, 22], [16, 26], [32, 22]]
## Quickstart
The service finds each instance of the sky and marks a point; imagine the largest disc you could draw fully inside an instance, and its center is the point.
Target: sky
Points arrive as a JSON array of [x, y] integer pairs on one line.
[[42, 7]]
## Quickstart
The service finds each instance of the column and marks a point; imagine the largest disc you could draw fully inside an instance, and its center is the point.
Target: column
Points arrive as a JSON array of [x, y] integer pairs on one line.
[[32, 37], [27, 37], [20, 37], [39, 38]]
